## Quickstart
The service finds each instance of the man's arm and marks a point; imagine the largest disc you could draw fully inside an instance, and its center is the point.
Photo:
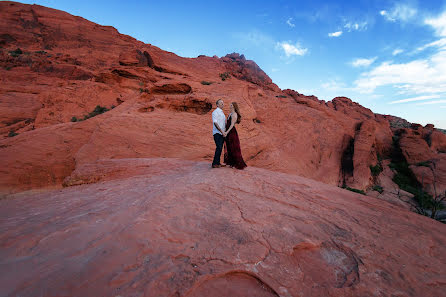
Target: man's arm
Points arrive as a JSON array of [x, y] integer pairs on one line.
[[214, 120], [218, 127]]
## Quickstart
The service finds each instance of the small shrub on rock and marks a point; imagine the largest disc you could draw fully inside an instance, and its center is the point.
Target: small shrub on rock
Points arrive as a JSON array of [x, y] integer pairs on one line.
[[206, 83], [378, 189], [12, 133], [376, 170], [224, 76], [97, 110], [354, 190], [16, 53], [425, 164]]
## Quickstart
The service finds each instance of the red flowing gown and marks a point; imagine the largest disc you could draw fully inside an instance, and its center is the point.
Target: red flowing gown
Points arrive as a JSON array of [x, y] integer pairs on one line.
[[233, 154]]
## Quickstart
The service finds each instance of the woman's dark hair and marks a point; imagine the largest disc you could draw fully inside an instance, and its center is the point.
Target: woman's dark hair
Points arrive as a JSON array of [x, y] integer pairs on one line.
[[237, 111]]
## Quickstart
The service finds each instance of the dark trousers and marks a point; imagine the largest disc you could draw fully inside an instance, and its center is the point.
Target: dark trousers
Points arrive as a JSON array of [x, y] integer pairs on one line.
[[219, 140]]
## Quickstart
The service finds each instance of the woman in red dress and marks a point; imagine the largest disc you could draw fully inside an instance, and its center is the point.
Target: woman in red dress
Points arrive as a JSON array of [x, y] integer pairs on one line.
[[233, 154]]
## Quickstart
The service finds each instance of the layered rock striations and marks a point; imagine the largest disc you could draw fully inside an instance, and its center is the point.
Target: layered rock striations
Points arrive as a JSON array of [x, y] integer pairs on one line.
[[122, 130], [57, 68], [169, 227]]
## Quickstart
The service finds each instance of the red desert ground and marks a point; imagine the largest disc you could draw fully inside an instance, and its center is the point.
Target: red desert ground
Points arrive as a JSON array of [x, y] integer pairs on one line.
[[123, 201]]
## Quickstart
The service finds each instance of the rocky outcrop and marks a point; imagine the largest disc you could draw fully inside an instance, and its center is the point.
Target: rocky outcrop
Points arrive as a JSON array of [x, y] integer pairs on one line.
[[56, 69], [414, 148], [364, 155], [352, 109], [395, 122], [168, 227], [432, 175], [248, 70], [422, 148], [130, 216], [136, 58]]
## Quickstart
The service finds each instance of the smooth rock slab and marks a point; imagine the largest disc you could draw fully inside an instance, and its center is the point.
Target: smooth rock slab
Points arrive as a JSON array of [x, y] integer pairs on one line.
[[179, 228]]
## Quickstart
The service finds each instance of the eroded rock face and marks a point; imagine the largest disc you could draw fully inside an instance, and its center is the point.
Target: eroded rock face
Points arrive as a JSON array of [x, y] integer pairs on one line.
[[136, 58], [248, 70], [423, 150], [165, 89], [432, 175], [66, 66], [414, 148], [353, 109], [364, 155], [167, 227], [395, 122]]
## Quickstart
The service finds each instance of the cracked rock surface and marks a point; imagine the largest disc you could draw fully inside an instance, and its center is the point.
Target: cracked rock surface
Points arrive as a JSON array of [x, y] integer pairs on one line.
[[169, 227]]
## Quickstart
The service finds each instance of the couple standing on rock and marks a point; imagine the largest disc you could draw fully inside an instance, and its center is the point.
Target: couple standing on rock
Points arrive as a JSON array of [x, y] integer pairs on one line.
[[224, 132]]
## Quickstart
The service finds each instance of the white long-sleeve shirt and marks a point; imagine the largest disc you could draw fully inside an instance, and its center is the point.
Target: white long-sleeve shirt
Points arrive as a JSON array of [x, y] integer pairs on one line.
[[218, 116]]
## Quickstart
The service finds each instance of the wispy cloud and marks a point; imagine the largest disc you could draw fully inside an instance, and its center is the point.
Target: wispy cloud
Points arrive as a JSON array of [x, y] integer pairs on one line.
[[418, 76], [422, 76], [259, 39], [438, 43], [291, 49], [432, 102], [335, 34], [363, 62], [289, 23], [400, 12], [335, 85], [255, 37], [419, 98], [438, 23], [356, 26], [397, 51]]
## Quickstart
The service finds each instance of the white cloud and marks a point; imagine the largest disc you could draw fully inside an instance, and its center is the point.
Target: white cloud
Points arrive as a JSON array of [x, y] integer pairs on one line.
[[400, 12], [292, 50], [438, 23], [289, 22], [335, 34], [334, 85], [397, 51], [423, 76], [432, 102], [385, 14], [419, 98], [355, 26], [362, 62], [255, 37], [441, 43]]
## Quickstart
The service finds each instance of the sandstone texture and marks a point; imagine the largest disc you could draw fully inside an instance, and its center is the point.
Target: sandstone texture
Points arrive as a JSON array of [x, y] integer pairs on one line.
[[105, 151], [55, 69], [424, 150], [169, 227]]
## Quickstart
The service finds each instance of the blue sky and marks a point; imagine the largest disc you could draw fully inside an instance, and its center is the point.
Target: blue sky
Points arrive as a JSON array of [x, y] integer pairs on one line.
[[389, 56]]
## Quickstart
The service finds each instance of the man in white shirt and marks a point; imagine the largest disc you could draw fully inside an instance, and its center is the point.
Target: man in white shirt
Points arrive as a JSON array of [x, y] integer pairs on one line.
[[218, 130]]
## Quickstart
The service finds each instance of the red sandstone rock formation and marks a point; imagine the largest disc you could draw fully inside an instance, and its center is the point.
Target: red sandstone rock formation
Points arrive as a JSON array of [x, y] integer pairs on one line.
[[424, 150], [66, 66], [131, 222], [168, 227]]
